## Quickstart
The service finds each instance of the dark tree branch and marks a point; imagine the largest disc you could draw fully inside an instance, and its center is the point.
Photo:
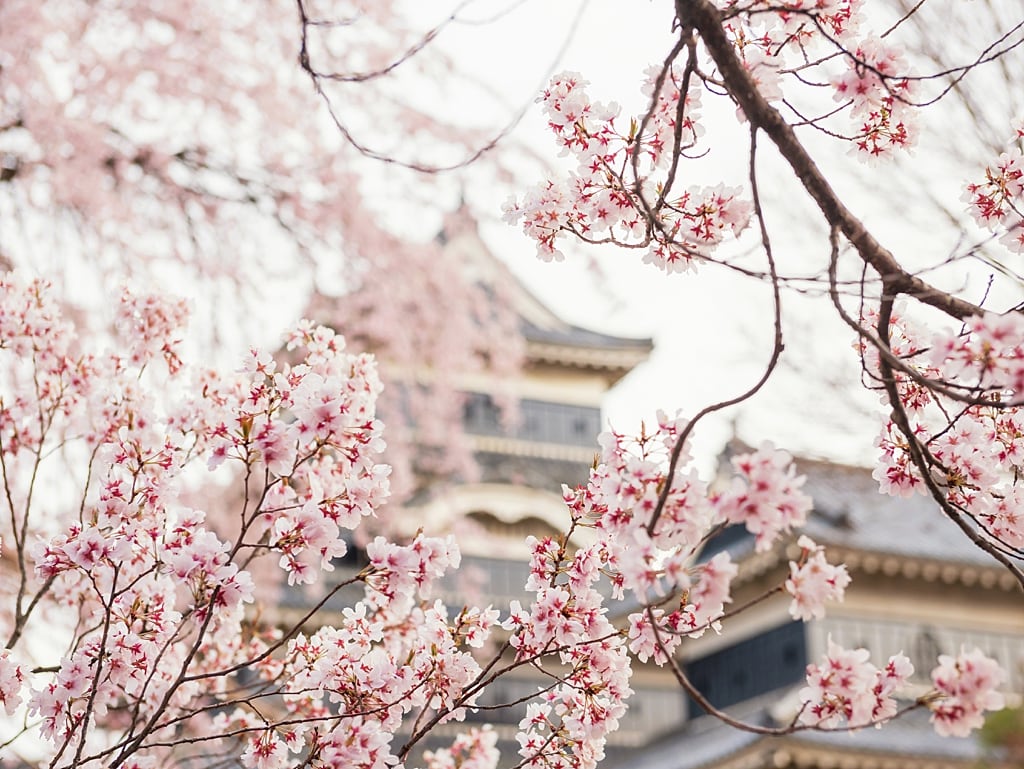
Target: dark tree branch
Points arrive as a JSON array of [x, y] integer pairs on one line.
[[706, 19]]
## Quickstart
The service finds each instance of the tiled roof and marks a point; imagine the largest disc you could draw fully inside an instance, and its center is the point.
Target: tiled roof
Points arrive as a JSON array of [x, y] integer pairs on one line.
[[851, 512], [688, 751], [575, 336], [707, 742], [539, 324], [911, 735]]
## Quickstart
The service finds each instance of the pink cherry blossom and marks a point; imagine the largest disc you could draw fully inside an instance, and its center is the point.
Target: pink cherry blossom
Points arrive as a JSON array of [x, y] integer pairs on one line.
[[996, 203], [966, 688], [880, 94], [847, 687], [813, 581], [475, 749], [12, 678], [766, 496], [619, 176]]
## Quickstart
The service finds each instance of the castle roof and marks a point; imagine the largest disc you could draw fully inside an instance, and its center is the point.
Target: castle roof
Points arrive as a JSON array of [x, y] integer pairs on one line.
[[550, 340], [876, 533], [851, 512], [908, 742]]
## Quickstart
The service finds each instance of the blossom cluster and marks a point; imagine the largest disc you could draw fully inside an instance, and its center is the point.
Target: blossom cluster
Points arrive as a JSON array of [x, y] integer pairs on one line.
[[632, 183], [813, 582], [797, 22], [966, 686], [620, 191], [161, 595], [846, 686], [348, 689], [401, 572], [974, 452], [137, 566], [157, 589], [998, 202], [960, 392], [765, 495], [475, 749], [873, 86], [12, 678], [880, 94], [653, 523], [652, 526], [568, 725]]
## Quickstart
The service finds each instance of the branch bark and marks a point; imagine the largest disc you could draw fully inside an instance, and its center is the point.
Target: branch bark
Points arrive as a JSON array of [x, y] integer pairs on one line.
[[703, 16]]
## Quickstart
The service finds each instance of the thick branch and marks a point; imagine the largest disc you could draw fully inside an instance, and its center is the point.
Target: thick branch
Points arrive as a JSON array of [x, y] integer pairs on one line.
[[705, 18]]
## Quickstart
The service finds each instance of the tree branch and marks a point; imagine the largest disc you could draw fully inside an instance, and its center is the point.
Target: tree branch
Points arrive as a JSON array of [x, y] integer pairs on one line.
[[706, 19]]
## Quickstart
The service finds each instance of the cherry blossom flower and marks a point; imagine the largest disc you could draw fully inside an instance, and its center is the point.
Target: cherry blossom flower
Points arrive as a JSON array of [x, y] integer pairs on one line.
[[847, 687], [766, 496], [880, 93], [644, 642], [611, 195], [997, 202], [814, 581], [476, 749], [12, 678], [966, 686]]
